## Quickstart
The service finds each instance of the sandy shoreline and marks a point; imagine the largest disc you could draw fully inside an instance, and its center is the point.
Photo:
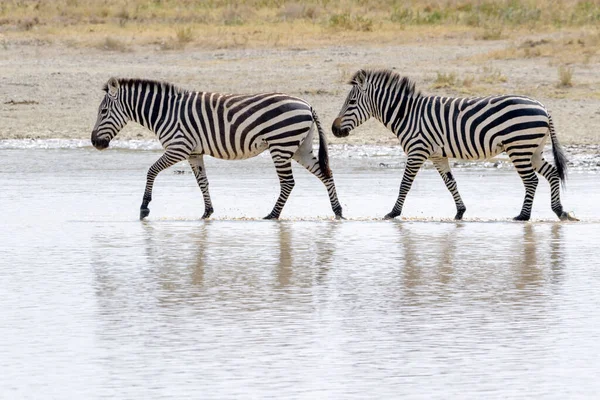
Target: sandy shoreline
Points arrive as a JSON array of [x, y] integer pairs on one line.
[[53, 90]]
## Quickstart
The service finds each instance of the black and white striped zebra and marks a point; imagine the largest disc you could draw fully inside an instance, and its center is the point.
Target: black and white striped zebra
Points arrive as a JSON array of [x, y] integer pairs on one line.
[[437, 128], [191, 124]]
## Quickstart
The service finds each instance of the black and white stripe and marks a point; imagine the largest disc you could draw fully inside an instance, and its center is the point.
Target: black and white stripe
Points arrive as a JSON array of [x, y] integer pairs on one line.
[[190, 125], [437, 128]]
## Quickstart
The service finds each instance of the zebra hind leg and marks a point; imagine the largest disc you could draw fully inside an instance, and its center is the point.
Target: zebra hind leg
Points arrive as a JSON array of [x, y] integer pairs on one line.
[[549, 172], [304, 156], [283, 166], [443, 167], [530, 180], [197, 164]]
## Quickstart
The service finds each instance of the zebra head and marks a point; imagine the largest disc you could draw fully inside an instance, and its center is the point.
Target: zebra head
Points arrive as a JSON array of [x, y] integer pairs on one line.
[[356, 108], [111, 116]]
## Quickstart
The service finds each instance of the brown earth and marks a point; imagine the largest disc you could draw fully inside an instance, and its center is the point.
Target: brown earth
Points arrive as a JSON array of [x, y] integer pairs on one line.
[[52, 90]]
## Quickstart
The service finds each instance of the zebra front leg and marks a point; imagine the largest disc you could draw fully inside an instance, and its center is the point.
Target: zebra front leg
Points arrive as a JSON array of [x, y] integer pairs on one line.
[[165, 161], [286, 180], [442, 166], [197, 164], [413, 164]]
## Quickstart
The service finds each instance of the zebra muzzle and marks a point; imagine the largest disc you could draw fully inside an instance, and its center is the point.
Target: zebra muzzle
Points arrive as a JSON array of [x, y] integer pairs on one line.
[[337, 130], [99, 144]]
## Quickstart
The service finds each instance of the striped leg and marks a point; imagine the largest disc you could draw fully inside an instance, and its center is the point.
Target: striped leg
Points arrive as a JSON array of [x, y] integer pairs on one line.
[[283, 165], [165, 161], [305, 158], [442, 166], [524, 166], [413, 164], [549, 172], [197, 164]]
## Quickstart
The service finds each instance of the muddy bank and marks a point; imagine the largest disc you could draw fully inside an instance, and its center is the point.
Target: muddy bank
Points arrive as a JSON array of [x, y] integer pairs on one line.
[[53, 91]]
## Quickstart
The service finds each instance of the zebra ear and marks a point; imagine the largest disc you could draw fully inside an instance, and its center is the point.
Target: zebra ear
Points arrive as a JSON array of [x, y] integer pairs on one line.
[[112, 86], [360, 79]]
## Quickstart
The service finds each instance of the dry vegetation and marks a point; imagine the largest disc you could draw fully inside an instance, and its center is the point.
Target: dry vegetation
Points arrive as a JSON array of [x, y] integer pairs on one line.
[[565, 76], [173, 24], [582, 47], [112, 44], [485, 80], [560, 33]]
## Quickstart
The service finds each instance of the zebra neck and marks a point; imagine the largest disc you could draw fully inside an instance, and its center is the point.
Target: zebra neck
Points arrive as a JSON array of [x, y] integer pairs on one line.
[[153, 106], [394, 110]]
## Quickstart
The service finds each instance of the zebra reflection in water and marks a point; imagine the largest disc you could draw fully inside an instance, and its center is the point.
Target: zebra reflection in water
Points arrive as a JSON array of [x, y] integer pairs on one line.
[[444, 263]]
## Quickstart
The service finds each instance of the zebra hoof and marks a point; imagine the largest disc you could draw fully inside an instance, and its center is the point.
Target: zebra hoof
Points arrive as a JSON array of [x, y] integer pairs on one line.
[[339, 217], [207, 213], [568, 216], [338, 212], [521, 217], [459, 214], [144, 212], [271, 216], [391, 215]]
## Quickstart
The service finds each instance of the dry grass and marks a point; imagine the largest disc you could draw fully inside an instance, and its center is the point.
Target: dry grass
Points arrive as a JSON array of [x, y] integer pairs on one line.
[[292, 11], [491, 33], [348, 22], [443, 80], [275, 21], [491, 76], [236, 15], [487, 80], [583, 47], [184, 35], [468, 81], [565, 76], [112, 44]]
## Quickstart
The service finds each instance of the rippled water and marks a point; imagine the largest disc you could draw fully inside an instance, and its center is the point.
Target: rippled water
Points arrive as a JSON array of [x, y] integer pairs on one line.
[[96, 304]]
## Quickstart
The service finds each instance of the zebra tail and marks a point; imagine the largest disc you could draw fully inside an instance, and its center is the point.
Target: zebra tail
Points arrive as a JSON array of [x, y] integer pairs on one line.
[[560, 158], [323, 153]]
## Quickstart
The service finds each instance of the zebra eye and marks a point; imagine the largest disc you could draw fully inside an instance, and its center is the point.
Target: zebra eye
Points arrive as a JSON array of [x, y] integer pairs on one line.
[[352, 102]]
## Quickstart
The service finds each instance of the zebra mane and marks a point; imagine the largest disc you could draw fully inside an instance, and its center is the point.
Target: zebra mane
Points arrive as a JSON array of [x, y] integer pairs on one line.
[[129, 82], [388, 78]]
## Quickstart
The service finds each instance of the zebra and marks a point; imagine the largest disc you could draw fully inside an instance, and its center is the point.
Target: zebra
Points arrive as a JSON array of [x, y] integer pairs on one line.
[[437, 128], [190, 125]]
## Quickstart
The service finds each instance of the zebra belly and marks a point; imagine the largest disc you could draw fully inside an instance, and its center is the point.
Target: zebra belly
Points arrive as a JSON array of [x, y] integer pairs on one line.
[[255, 149], [478, 156]]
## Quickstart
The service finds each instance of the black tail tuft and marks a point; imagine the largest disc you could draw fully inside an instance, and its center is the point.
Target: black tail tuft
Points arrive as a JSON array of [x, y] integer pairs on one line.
[[323, 153], [560, 158]]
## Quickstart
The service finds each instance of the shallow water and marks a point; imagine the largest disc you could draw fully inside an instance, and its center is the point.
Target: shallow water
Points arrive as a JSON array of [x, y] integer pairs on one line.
[[96, 304]]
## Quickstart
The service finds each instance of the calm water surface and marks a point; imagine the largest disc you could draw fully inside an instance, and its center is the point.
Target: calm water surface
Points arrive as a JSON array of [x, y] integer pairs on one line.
[[96, 304]]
